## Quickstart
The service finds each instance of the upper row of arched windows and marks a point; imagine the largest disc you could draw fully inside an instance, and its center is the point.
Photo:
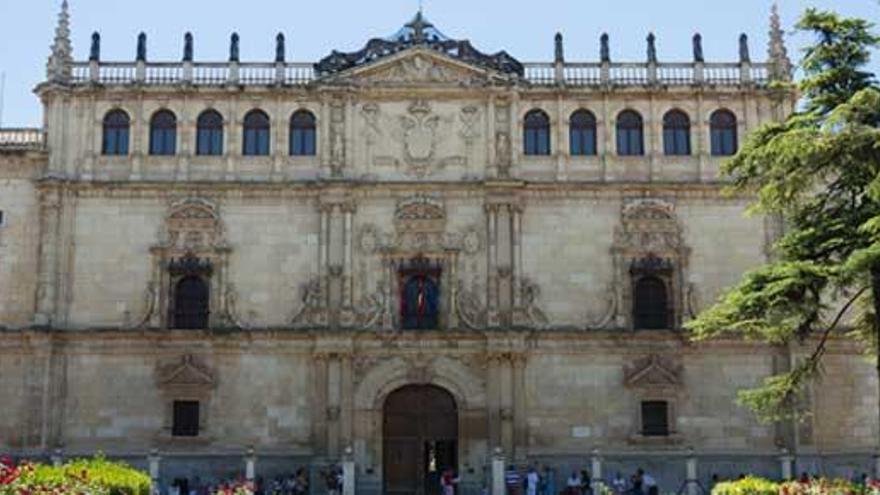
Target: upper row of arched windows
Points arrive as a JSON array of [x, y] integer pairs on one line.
[[630, 133], [256, 129]]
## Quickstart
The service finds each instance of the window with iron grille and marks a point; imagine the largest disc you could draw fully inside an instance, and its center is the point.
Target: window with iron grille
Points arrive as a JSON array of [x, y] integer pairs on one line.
[[186, 418], [655, 418]]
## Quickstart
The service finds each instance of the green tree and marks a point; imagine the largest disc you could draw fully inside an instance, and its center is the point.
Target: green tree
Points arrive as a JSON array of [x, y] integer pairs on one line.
[[819, 171]]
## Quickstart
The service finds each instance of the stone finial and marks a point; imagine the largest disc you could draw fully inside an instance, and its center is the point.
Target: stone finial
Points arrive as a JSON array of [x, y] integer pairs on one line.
[[58, 68], [279, 48], [604, 48], [744, 57], [780, 64], [698, 48], [188, 47], [95, 50], [652, 48], [233, 48], [559, 54], [142, 47]]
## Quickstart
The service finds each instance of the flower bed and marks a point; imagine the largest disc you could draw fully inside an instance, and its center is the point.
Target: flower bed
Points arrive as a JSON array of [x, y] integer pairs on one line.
[[78, 477], [819, 486]]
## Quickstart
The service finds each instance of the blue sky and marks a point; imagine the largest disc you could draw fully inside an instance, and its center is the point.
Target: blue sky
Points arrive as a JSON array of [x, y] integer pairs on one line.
[[313, 28]]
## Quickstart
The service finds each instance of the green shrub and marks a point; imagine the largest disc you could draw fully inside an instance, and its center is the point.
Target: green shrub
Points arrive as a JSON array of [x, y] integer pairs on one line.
[[96, 476], [747, 486]]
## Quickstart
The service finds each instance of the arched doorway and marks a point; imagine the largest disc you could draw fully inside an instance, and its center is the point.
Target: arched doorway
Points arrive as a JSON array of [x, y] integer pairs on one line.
[[420, 439]]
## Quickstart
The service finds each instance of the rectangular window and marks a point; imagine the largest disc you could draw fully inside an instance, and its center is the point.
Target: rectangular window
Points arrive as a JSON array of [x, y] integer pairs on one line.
[[1, 218], [655, 418], [186, 418]]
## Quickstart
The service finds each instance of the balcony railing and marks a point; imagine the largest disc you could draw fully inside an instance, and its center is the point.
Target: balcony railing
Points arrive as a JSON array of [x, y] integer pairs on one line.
[[21, 139], [579, 74]]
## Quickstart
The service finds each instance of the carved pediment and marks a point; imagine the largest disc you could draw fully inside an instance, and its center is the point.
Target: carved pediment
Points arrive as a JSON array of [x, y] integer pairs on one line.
[[186, 374], [419, 66], [653, 372]]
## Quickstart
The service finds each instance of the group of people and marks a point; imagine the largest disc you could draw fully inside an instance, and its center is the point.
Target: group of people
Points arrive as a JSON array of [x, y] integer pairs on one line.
[[296, 483], [542, 481]]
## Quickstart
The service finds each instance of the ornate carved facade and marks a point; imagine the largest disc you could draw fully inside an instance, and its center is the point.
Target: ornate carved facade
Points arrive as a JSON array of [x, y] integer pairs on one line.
[[316, 237]]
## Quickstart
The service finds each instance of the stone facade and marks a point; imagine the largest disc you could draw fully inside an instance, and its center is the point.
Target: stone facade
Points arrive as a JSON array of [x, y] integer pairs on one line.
[[420, 160]]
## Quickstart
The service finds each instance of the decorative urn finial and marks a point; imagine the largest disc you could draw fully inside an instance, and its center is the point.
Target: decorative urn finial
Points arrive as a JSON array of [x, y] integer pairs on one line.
[[233, 48], [95, 49], [142, 47], [188, 47], [698, 48], [279, 48], [604, 48], [744, 57], [559, 53]]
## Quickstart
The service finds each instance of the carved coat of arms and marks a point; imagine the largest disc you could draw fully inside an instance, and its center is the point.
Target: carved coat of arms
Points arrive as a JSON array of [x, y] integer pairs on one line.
[[419, 134]]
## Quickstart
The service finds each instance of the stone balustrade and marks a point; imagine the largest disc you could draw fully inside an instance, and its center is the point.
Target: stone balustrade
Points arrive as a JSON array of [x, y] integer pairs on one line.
[[574, 74], [15, 139]]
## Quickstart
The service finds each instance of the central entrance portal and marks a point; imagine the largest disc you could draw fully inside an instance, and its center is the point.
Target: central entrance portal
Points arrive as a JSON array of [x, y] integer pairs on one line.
[[420, 439]]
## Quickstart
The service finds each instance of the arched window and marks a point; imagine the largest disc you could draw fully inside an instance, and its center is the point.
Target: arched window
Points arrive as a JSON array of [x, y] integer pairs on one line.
[[723, 129], [650, 303], [582, 133], [302, 134], [163, 133], [630, 134], [536, 133], [209, 135], [115, 133], [676, 133], [256, 133], [191, 303]]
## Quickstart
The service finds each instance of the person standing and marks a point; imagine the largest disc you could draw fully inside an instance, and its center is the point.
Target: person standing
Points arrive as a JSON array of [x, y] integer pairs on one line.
[[512, 480], [448, 481], [573, 485], [532, 481], [549, 482]]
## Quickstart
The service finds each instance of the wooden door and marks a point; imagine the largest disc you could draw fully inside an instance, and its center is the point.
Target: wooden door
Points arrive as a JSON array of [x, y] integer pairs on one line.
[[420, 430]]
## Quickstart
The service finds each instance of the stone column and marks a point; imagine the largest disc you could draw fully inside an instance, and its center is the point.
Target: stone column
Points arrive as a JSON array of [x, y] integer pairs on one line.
[[250, 465], [319, 404], [498, 472], [326, 212], [348, 473], [50, 213], [691, 474], [785, 462], [520, 415], [596, 470], [492, 269], [516, 247], [348, 288], [153, 461]]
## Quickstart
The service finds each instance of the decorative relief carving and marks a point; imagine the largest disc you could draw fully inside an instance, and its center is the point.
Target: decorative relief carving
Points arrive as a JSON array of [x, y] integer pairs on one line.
[[313, 311], [187, 374], [371, 313], [419, 133], [471, 311], [337, 137], [417, 69], [649, 240], [653, 372], [503, 154], [530, 314]]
